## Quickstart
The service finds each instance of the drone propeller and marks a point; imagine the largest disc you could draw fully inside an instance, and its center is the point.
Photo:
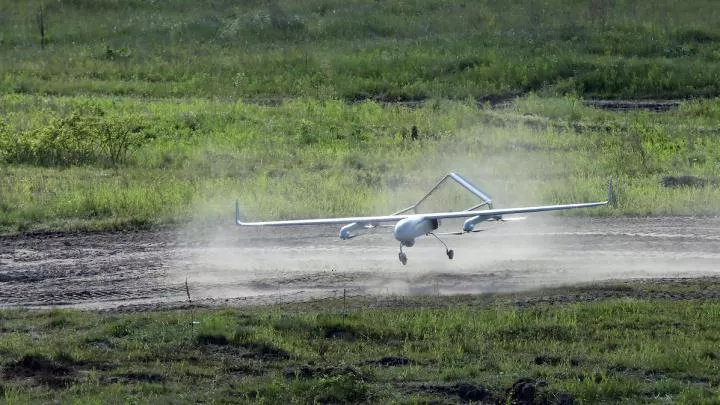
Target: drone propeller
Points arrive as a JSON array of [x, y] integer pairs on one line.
[[458, 232], [511, 219]]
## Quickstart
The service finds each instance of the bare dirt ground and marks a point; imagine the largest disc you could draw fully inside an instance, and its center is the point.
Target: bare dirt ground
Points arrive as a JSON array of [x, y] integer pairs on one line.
[[240, 265]]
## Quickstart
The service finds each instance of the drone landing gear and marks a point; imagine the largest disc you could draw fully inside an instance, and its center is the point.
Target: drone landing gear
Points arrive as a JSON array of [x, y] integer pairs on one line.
[[402, 256], [449, 252]]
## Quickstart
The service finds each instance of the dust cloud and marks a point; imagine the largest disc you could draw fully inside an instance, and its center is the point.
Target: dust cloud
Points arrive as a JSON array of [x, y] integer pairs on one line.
[[541, 251], [545, 249]]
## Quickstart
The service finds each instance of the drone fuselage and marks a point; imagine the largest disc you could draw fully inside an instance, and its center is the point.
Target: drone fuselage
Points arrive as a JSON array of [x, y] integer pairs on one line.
[[406, 230]]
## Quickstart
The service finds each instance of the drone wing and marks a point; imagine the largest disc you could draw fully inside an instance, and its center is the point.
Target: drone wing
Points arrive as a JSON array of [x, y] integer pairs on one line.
[[357, 222], [319, 221], [506, 211], [494, 213]]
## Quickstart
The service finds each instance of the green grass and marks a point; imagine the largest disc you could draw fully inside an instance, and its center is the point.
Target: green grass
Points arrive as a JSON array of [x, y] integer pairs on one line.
[[189, 159], [135, 121], [354, 50], [638, 350]]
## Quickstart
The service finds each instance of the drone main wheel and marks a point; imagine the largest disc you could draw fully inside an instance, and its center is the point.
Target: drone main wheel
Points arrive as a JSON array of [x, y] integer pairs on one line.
[[450, 254], [403, 258]]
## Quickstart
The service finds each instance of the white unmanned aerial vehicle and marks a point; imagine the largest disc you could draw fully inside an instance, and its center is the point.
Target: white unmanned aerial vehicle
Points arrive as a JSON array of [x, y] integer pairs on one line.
[[409, 226]]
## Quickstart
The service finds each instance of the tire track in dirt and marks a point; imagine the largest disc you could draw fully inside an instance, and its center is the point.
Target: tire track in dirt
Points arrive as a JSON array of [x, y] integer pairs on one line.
[[106, 270]]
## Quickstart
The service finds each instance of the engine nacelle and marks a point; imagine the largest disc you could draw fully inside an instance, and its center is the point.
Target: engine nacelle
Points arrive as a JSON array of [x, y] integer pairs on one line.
[[346, 231], [470, 223], [406, 230]]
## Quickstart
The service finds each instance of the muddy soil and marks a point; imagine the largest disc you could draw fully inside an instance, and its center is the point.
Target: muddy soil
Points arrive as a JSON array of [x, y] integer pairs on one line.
[[110, 270]]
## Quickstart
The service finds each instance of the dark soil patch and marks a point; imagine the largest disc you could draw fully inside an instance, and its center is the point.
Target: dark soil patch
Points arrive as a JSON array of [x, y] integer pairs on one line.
[[537, 332], [244, 370], [143, 377], [390, 361], [307, 372], [687, 181], [134, 377], [101, 344], [220, 352], [351, 333], [627, 105], [340, 332], [34, 366], [522, 392], [464, 392], [645, 374], [527, 391], [56, 383], [265, 351], [553, 361], [564, 398], [218, 340], [710, 355], [42, 370]]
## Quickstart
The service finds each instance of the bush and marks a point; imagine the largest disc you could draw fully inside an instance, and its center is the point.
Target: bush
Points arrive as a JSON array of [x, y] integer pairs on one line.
[[6, 142], [86, 136]]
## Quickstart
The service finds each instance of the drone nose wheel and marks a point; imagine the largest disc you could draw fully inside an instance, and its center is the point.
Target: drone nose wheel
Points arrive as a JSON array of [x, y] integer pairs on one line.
[[403, 258], [450, 254]]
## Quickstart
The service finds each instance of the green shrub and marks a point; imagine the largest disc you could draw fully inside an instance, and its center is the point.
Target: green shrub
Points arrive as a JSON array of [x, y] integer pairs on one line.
[[88, 135]]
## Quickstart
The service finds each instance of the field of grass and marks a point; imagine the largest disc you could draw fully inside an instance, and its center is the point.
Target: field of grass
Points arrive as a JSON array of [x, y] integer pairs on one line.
[[137, 119], [136, 114], [350, 50], [658, 344], [103, 162]]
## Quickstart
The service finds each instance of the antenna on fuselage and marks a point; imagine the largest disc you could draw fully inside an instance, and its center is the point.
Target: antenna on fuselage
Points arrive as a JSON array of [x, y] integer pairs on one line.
[[465, 183]]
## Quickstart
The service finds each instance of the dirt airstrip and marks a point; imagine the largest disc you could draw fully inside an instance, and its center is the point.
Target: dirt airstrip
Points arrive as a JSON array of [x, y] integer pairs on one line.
[[237, 265]]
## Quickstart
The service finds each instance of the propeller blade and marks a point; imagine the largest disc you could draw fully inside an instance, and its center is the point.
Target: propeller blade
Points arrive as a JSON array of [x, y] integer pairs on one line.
[[513, 219], [459, 232]]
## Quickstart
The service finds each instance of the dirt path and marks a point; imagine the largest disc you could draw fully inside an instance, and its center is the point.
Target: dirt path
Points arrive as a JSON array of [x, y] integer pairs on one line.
[[106, 270]]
